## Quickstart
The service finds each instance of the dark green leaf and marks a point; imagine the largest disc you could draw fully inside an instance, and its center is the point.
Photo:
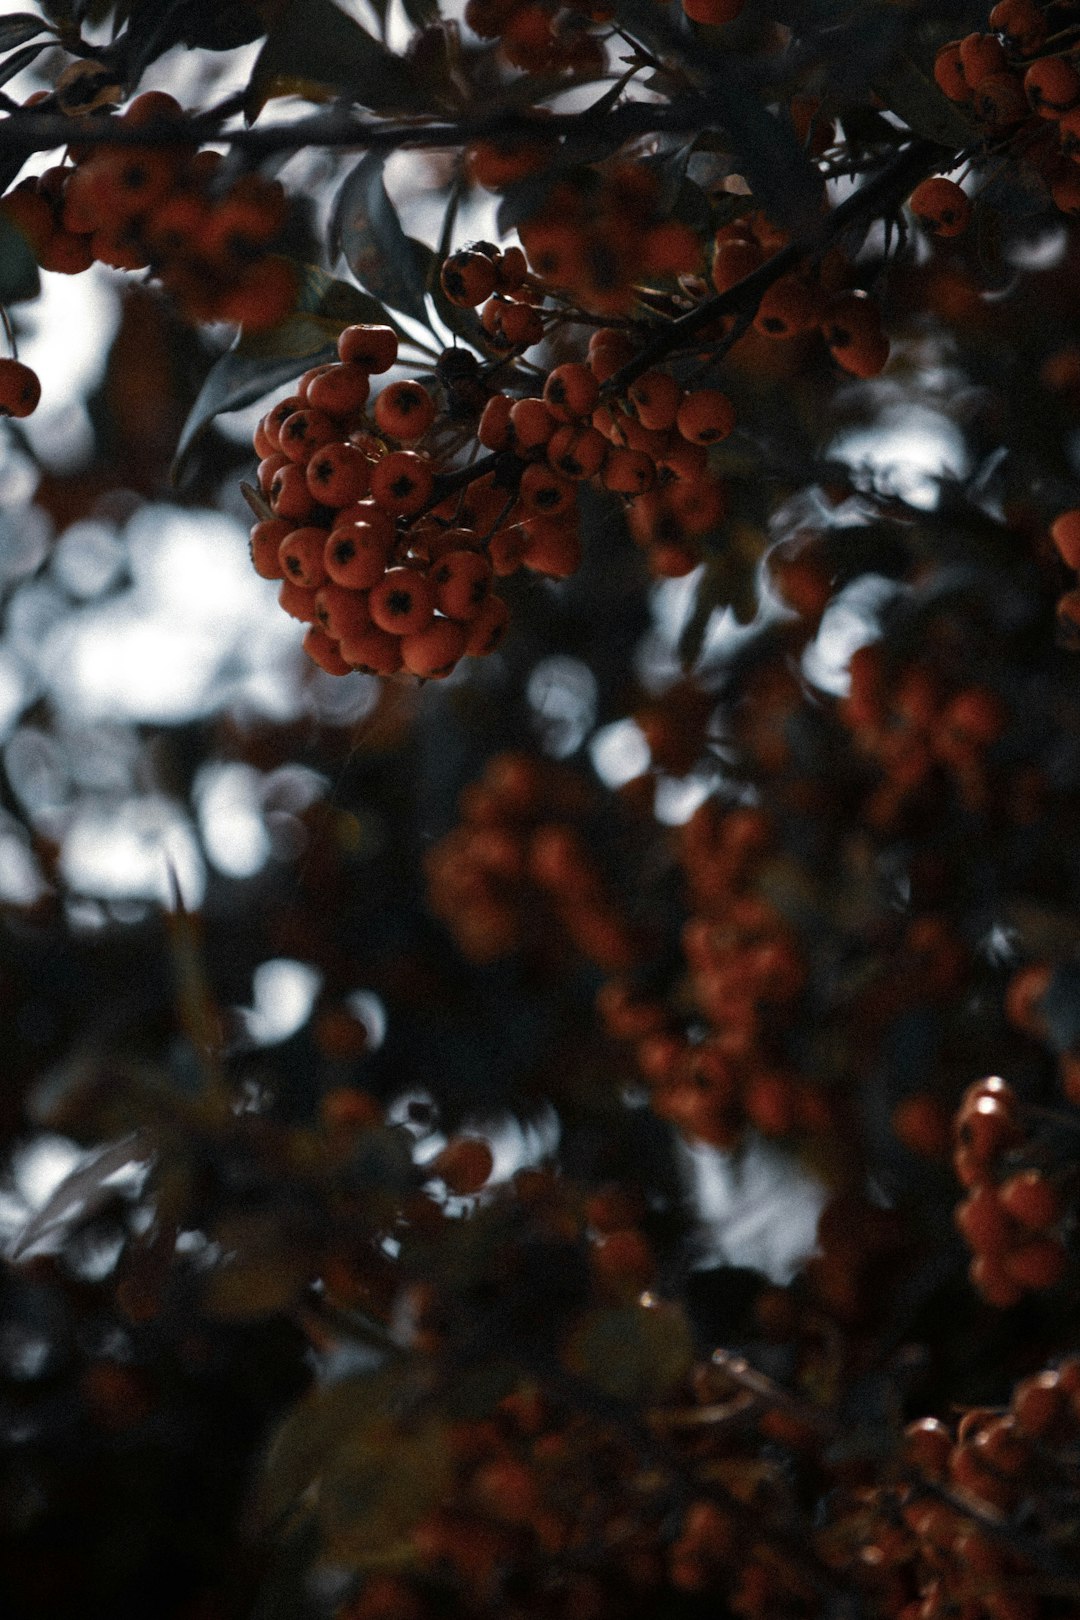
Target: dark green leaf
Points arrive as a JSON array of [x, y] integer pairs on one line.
[[18, 28], [261, 361], [84, 1193], [20, 59], [910, 92], [633, 1353], [365, 229], [422, 13], [314, 50], [18, 268]]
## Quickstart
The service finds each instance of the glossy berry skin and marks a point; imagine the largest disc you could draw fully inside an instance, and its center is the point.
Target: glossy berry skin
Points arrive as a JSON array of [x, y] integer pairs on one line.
[[20, 389]]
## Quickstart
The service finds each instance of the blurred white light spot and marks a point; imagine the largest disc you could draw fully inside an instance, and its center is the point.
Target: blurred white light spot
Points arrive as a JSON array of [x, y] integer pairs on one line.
[[906, 452], [37, 770], [234, 835], [366, 1006], [87, 559], [562, 695], [21, 882], [126, 853], [66, 337], [848, 623], [619, 752], [197, 629], [758, 1208], [282, 993], [14, 691], [24, 538], [677, 797], [38, 1168]]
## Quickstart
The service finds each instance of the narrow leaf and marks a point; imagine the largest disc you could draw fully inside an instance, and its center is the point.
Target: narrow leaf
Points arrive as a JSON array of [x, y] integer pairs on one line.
[[19, 277], [20, 59], [83, 1194], [314, 50], [19, 27], [261, 361], [365, 229]]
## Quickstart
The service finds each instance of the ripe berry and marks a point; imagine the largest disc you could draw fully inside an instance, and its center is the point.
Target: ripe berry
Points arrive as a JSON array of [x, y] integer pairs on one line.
[[462, 581], [1052, 86], [655, 398], [289, 493], [545, 492], [488, 630], [465, 1164], [373, 651], [303, 432], [340, 390], [402, 482], [20, 389], [324, 652], [403, 601], [435, 652], [265, 541], [571, 392], [468, 278], [576, 451], [374, 348], [405, 410], [1065, 533], [356, 556], [1030, 1199], [705, 416], [341, 612], [301, 557], [338, 474], [941, 206]]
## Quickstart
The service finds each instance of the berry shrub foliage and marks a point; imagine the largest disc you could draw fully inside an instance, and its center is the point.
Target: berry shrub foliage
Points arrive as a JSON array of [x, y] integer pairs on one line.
[[690, 386]]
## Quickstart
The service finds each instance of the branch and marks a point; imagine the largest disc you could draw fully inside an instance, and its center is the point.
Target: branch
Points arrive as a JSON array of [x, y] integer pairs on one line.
[[887, 187]]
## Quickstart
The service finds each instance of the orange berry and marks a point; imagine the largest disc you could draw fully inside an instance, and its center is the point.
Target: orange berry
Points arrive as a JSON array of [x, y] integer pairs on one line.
[[1065, 533], [949, 73], [1052, 86], [341, 612], [571, 392], [301, 557], [297, 602], [545, 492], [373, 651], [402, 482], [405, 410], [713, 13], [465, 1164], [552, 548], [338, 474], [324, 652], [577, 451], [705, 416], [340, 390], [982, 56], [265, 543], [20, 389], [941, 206], [733, 260], [462, 582], [1030, 1199], [373, 348], [468, 278], [1038, 1264], [655, 398], [302, 433], [435, 651], [403, 601], [532, 425], [1038, 1403], [488, 630], [356, 556]]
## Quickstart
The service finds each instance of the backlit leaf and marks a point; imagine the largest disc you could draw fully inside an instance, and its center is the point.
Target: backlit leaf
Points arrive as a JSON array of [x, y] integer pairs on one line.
[[365, 229], [314, 50]]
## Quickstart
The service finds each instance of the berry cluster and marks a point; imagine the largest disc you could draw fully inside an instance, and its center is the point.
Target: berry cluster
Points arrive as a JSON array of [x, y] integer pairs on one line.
[[381, 593], [1010, 1223], [542, 36], [519, 859], [746, 971], [909, 723], [1065, 533], [795, 304], [162, 208], [1017, 90], [599, 233]]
